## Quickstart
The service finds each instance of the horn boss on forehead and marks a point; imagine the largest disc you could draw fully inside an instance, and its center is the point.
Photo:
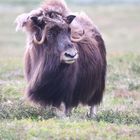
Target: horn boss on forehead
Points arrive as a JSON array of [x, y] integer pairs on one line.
[[41, 22]]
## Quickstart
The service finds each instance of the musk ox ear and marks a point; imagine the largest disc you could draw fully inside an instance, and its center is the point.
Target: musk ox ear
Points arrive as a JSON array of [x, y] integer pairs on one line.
[[38, 21], [34, 19], [70, 18]]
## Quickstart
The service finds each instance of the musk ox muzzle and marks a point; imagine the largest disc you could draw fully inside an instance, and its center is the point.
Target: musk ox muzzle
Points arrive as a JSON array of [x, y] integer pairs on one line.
[[69, 56]]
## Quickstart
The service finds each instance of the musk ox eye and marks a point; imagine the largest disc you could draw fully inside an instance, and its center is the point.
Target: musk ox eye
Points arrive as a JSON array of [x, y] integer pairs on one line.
[[69, 30]]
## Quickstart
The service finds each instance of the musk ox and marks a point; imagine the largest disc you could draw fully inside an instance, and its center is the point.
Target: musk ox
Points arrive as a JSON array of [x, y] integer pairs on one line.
[[65, 57]]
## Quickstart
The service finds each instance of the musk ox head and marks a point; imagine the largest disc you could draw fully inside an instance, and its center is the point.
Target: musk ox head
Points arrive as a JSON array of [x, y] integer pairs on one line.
[[52, 30]]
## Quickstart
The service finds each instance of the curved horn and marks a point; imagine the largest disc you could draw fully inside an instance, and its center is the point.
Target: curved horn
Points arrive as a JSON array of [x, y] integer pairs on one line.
[[78, 39], [39, 42]]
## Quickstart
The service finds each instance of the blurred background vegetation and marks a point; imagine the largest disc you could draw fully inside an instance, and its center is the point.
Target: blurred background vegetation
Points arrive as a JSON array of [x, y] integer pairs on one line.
[[118, 115], [74, 1]]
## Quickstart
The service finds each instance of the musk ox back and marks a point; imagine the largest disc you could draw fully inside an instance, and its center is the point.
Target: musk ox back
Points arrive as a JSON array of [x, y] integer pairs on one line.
[[65, 58]]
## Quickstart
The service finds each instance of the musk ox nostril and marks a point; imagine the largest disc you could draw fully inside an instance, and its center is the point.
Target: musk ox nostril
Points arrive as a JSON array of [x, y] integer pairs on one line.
[[70, 55]]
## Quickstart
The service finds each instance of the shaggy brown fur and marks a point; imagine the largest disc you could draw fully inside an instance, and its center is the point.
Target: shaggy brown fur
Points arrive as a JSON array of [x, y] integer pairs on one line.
[[51, 82]]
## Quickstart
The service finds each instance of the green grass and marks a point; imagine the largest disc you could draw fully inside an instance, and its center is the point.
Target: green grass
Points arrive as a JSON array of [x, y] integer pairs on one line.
[[118, 115], [65, 129]]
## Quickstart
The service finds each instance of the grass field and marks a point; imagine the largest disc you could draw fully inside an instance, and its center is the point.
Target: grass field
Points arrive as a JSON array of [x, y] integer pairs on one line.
[[118, 115]]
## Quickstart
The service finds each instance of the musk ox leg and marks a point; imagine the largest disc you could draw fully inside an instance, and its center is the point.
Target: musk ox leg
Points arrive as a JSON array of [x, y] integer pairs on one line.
[[92, 112], [61, 111], [68, 111]]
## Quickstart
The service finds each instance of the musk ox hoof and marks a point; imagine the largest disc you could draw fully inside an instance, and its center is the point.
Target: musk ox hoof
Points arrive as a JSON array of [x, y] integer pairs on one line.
[[58, 113], [92, 114], [61, 112]]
